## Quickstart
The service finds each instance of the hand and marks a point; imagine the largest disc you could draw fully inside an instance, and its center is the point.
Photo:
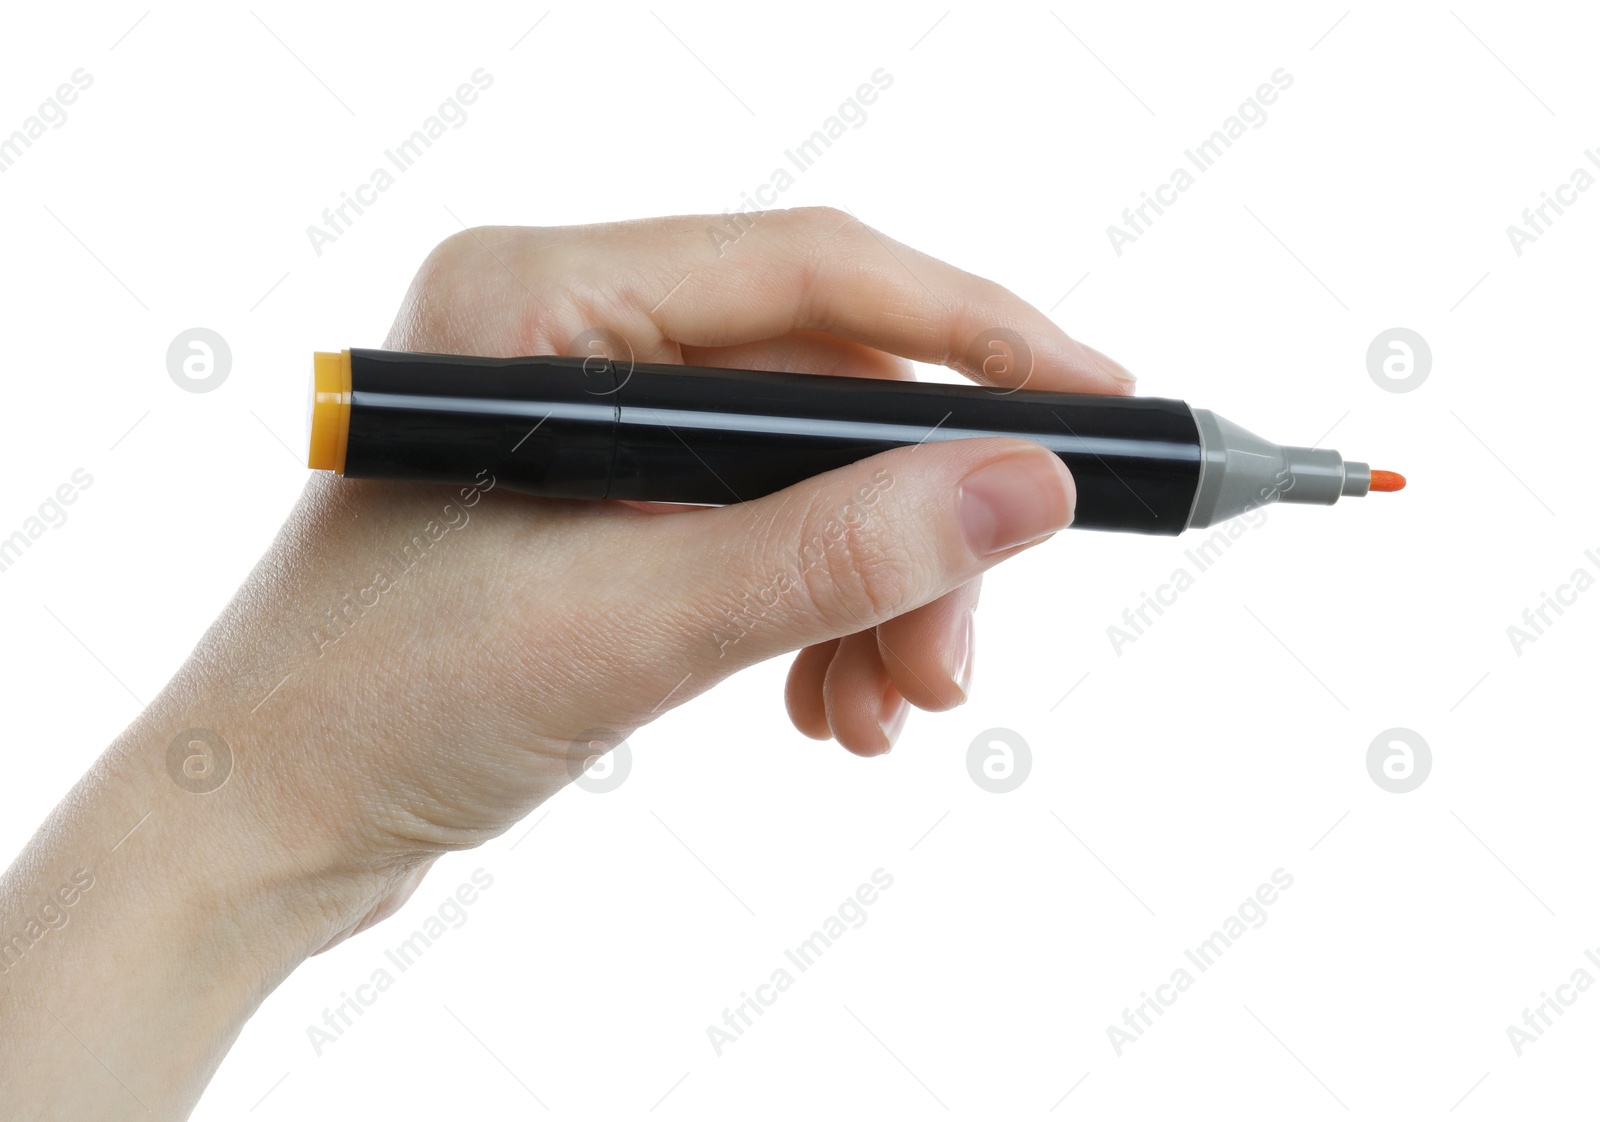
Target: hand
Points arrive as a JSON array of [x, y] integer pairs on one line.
[[640, 607], [412, 669]]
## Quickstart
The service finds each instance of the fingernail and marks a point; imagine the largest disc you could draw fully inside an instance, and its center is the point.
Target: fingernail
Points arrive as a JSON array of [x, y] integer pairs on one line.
[[1013, 500], [1112, 367], [892, 713], [961, 660]]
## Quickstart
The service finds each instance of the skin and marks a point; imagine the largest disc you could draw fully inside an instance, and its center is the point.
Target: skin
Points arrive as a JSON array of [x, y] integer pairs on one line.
[[371, 732]]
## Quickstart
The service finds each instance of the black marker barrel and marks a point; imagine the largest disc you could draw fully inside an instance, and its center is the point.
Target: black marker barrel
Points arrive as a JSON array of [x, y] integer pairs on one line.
[[602, 429]]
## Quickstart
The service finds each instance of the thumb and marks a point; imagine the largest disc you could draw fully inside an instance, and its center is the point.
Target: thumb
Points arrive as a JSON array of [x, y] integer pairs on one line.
[[850, 549]]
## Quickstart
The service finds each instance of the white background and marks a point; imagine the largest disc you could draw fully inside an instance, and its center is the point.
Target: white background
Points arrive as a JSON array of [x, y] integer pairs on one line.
[[1229, 741]]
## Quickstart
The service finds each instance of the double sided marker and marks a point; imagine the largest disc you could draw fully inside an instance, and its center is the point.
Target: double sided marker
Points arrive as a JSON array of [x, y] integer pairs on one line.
[[576, 428]]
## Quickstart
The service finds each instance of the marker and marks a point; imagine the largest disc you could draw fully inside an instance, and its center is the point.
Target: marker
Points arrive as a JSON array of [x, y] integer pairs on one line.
[[596, 428]]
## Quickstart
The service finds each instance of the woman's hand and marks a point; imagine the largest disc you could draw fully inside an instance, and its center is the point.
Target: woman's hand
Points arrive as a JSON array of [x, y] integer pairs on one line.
[[412, 669], [558, 628]]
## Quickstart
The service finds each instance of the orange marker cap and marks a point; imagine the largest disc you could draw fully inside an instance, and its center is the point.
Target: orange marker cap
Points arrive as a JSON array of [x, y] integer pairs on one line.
[[328, 411]]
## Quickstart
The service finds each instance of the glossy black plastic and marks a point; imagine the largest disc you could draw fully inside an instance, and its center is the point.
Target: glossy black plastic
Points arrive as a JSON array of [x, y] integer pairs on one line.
[[590, 429]]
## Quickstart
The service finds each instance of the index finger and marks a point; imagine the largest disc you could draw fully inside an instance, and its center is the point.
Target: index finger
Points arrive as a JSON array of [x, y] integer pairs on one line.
[[818, 268]]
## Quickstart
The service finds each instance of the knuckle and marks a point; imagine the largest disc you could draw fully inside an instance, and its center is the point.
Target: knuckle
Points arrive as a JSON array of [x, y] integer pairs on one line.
[[449, 255], [820, 221], [444, 271], [484, 286], [822, 243], [853, 574], [477, 251]]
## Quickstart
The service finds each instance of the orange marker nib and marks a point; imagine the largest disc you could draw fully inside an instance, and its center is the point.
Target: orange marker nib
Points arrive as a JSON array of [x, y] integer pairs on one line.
[[1387, 481]]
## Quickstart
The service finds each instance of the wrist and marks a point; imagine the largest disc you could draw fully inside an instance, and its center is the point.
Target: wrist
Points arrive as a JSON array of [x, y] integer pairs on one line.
[[146, 921]]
